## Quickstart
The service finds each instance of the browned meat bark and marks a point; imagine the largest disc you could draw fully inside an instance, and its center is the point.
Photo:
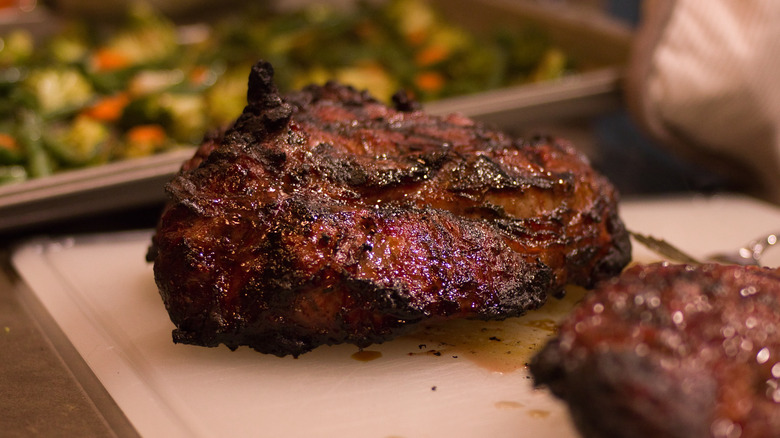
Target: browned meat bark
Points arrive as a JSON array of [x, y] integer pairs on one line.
[[326, 217], [672, 351]]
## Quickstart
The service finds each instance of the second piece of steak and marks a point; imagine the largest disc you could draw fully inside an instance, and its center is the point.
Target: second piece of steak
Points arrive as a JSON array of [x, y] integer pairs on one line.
[[673, 351], [326, 216]]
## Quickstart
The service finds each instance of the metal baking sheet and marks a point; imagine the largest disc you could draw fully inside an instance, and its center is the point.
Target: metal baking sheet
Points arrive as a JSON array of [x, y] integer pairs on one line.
[[139, 182], [76, 193]]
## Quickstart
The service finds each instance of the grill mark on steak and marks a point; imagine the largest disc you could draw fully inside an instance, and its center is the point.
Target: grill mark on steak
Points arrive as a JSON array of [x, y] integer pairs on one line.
[[325, 216]]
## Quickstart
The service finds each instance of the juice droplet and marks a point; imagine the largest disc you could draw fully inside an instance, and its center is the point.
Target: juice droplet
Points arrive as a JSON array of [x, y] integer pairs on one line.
[[366, 355], [504, 404], [543, 324], [499, 346], [538, 413]]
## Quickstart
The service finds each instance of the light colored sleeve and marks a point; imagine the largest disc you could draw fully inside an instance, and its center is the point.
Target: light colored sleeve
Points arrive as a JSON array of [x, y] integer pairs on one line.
[[704, 79]]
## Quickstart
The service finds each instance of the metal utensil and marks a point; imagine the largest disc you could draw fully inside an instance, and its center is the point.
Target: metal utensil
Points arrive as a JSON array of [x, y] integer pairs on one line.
[[749, 254]]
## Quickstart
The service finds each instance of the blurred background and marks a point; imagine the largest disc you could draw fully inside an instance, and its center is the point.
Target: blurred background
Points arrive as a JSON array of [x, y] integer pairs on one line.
[[88, 85]]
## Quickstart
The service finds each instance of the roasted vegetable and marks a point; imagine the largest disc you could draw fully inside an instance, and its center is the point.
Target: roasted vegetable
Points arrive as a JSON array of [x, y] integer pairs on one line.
[[12, 174], [58, 91], [143, 140], [10, 150], [29, 135], [95, 93], [147, 38], [16, 48], [81, 142]]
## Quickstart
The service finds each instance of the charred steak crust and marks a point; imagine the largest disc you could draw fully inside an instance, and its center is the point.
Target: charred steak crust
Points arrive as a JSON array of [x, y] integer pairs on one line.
[[325, 217], [672, 351]]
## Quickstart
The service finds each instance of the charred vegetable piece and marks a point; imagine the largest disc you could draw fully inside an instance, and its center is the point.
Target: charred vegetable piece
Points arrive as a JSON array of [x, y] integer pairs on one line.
[[58, 91], [227, 97], [82, 142], [144, 140], [29, 136], [182, 115], [10, 150], [16, 48], [147, 38], [12, 174], [186, 79]]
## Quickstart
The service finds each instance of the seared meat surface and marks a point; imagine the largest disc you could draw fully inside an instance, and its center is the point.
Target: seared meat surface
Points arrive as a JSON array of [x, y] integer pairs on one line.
[[325, 216], [672, 351]]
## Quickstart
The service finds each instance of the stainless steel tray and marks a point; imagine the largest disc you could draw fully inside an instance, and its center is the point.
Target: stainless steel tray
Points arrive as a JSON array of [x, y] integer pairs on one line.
[[140, 182], [80, 192]]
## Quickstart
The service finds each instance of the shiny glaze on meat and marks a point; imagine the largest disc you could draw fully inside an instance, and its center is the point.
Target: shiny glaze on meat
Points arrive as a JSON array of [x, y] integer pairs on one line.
[[325, 216]]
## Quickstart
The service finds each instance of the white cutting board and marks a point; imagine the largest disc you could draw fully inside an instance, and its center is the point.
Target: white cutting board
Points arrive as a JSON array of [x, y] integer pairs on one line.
[[463, 379]]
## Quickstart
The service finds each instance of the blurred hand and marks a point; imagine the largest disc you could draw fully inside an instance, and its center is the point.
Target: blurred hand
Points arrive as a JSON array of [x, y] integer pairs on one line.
[[704, 79]]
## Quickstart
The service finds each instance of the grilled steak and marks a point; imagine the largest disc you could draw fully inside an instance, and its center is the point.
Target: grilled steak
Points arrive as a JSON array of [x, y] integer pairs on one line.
[[325, 216], [672, 351]]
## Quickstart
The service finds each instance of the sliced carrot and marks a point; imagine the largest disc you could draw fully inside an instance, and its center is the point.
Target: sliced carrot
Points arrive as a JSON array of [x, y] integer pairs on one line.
[[154, 134], [416, 38], [144, 140], [199, 75], [8, 142], [429, 81], [108, 60], [108, 108], [431, 55]]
